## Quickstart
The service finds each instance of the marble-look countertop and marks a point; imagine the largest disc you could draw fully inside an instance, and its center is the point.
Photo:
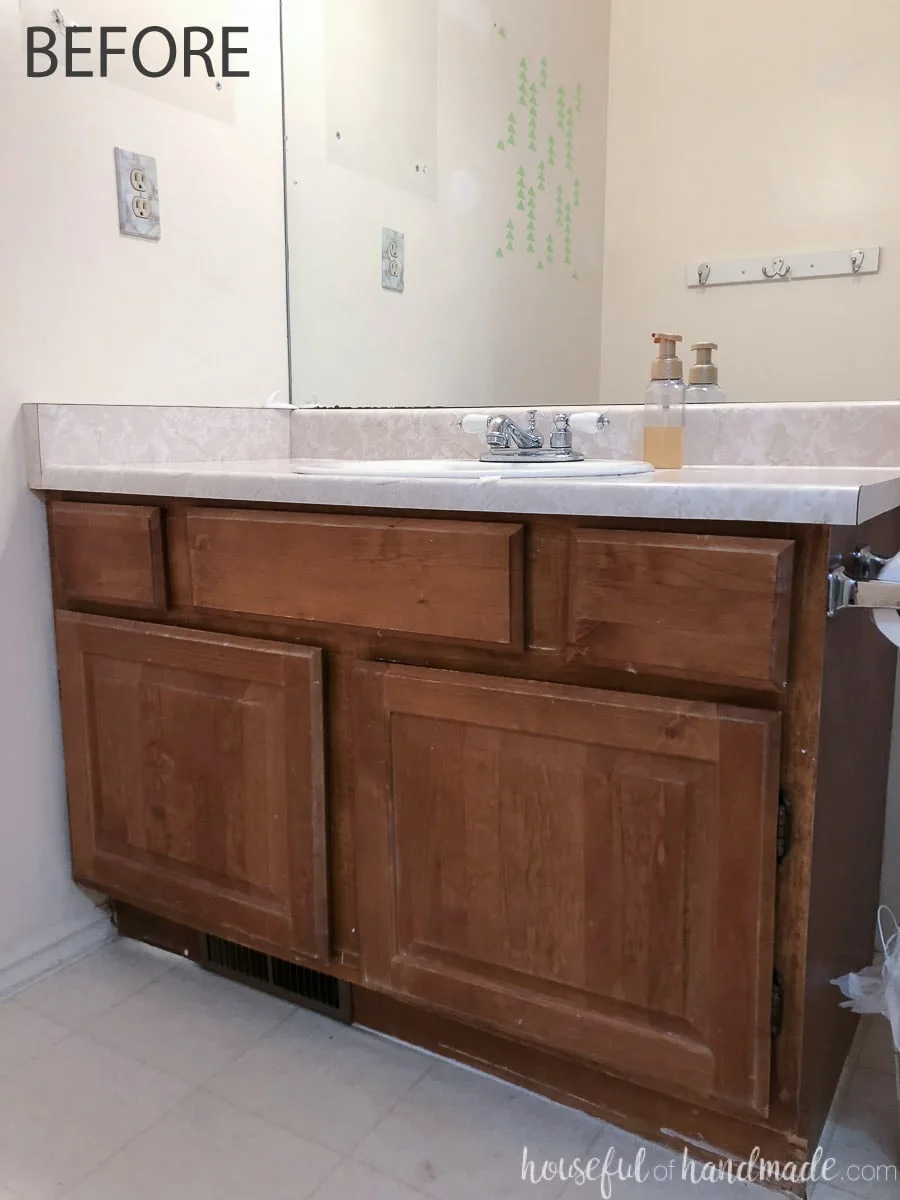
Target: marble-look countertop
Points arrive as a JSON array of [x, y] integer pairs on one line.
[[805, 495]]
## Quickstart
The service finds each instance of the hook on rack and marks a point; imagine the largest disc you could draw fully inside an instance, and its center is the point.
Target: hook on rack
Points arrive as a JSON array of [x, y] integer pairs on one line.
[[857, 258], [703, 273], [779, 269]]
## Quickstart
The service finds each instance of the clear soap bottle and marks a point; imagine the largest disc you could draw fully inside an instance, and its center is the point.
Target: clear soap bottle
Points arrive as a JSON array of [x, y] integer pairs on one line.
[[703, 377], [664, 407]]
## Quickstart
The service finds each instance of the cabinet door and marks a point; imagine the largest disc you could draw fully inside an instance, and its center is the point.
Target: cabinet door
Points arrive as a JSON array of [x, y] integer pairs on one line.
[[590, 871], [195, 774]]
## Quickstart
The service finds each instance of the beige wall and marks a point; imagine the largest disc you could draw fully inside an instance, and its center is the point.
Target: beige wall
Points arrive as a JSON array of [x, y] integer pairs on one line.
[[88, 316], [739, 129], [742, 129], [434, 82]]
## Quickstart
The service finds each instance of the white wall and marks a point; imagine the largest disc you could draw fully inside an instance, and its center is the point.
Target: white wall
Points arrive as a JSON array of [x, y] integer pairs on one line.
[[434, 84], [88, 316], [739, 129]]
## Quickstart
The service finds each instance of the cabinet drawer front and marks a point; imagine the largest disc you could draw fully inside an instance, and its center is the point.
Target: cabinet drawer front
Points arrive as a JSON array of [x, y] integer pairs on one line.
[[195, 775], [704, 607], [108, 554], [589, 871], [437, 579]]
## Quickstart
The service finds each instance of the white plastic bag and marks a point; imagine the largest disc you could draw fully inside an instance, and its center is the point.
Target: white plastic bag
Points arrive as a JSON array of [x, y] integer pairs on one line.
[[877, 989]]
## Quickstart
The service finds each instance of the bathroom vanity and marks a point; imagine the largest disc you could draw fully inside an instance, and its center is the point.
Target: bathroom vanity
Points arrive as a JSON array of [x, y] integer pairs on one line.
[[591, 802]]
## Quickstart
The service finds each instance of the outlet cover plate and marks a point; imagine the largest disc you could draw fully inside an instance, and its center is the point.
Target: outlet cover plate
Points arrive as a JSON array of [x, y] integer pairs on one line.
[[393, 260], [137, 186]]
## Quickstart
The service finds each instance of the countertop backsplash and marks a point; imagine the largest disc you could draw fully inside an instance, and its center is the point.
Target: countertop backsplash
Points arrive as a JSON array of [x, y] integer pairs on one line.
[[823, 435]]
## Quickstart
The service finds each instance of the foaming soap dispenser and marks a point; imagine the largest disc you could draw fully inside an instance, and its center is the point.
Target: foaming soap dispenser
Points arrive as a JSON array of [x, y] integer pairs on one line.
[[664, 406], [703, 377]]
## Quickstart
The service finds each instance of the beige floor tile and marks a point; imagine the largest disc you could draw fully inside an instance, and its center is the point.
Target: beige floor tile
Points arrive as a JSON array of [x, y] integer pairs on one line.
[[76, 994], [24, 1034], [459, 1135], [321, 1079], [352, 1181], [878, 1048], [105, 1114], [867, 1089], [189, 1023], [865, 1143], [208, 1150], [65, 1112]]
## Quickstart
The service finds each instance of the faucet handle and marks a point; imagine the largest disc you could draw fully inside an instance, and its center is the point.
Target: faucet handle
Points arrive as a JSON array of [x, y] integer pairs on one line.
[[562, 433], [474, 423], [589, 422]]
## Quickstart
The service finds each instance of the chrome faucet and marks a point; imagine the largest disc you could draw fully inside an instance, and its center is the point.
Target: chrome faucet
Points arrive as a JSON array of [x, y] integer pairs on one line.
[[503, 433], [509, 442]]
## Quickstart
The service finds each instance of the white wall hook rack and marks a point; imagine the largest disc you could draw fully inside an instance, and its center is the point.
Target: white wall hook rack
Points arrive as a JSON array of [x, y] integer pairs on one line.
[[862, 260]]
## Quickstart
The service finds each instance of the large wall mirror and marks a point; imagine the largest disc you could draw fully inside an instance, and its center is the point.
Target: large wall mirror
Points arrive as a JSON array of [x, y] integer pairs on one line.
[[478, 131], [553, 165]]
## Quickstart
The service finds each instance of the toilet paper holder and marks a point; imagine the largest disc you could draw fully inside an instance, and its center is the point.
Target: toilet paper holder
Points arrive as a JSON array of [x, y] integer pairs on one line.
[[853, 583]]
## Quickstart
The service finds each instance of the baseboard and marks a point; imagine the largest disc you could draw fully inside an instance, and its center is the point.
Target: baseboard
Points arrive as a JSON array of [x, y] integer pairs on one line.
[[73, 943]]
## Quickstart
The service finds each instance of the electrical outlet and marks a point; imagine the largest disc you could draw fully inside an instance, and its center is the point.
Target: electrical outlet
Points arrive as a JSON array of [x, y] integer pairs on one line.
[[138, 192], [393, 260]]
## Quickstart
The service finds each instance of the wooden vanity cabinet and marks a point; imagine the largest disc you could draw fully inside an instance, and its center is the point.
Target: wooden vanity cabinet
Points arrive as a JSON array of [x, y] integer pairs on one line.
[[523, 783]]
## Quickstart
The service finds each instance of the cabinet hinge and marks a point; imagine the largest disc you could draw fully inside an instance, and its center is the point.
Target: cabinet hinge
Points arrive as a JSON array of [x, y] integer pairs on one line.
[[785, 834], [777, 1004]]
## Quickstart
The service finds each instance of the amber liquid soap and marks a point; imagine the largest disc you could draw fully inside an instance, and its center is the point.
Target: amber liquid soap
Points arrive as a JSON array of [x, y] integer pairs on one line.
[[664, 447]]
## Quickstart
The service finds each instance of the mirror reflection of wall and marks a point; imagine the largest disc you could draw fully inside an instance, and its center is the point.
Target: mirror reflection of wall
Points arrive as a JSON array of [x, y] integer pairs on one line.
[[555, 164], [479, 131]]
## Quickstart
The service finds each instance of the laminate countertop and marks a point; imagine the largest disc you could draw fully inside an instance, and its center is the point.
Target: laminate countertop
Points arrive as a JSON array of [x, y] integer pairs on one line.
[[803, 495]]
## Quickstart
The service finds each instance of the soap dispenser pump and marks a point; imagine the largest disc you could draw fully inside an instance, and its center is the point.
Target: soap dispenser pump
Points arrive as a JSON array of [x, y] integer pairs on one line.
[[703, 377], [664, 406]]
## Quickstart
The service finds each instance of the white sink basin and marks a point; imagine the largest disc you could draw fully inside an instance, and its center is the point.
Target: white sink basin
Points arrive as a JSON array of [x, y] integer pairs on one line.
[[466, 469]]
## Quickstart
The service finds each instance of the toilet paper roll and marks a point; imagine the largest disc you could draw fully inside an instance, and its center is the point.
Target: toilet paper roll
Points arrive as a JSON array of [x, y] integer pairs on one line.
[[888, 619]]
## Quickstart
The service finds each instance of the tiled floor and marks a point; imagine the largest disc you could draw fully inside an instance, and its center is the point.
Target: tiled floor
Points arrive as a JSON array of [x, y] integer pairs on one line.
[[133, 1075]]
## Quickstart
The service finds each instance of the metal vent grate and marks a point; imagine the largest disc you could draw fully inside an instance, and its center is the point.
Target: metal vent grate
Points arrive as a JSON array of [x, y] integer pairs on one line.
[[301, 981], [303, 986], [237, 959]]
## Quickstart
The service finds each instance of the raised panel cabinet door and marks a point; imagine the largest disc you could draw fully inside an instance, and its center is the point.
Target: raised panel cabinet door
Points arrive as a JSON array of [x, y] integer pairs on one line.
[[108, 554], [456, 580], [701, 606], [195, 774], [590, 871]]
